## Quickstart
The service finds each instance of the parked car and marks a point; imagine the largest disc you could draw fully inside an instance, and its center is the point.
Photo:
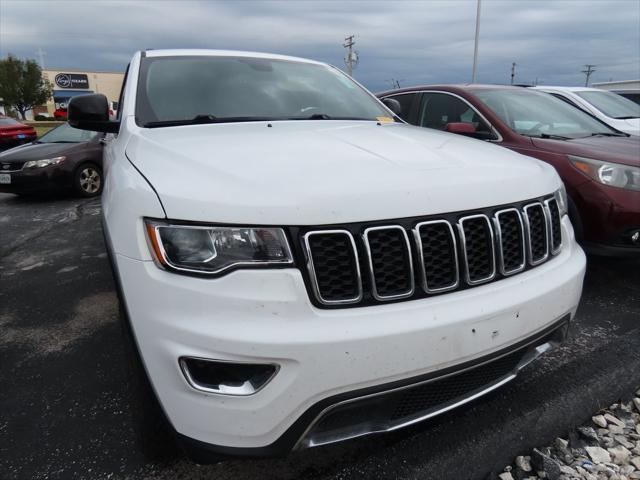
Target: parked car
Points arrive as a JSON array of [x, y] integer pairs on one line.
[[633, 95], [14, 133], [599, 166], [60, 113], [65, 158], [613, 109], [299, 269]]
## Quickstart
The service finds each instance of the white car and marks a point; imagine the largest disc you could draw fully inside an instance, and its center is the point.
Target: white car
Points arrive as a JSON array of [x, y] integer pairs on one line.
[[613, 109], [298, 268]]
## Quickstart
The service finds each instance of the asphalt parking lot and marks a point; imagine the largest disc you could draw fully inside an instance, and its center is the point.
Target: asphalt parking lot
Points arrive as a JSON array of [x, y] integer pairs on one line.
[[64, 394]]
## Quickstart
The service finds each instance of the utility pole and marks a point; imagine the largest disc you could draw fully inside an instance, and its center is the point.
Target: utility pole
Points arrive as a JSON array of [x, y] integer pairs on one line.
[[395, 83], [589, 70], [351, 59], [475, 47], [513, 72], [41, 55]]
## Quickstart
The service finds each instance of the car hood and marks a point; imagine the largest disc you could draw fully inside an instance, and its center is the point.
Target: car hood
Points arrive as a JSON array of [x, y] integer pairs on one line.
[[35, 151], [625, 150], [324, 172]]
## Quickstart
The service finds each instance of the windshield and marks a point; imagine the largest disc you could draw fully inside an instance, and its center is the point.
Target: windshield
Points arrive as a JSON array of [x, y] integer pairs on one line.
[[174, 89], [66, 134], [537, 114], [611, 104]]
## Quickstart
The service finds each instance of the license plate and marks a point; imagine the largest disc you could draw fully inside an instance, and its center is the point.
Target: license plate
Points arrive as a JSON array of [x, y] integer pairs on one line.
[[21, 135], [5, 178]]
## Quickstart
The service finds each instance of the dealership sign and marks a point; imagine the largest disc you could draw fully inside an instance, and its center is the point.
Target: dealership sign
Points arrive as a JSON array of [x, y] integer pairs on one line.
[[72, 80]]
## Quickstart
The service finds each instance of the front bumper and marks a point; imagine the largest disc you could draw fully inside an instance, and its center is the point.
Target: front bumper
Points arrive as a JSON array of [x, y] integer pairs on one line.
[[47, 179], [265, 316], [610, 216]]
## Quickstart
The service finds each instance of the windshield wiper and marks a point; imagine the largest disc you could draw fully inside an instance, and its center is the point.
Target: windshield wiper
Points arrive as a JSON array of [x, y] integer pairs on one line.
[[204, 119], [607, 134], [324, 116], [626, 118], [548, 135]]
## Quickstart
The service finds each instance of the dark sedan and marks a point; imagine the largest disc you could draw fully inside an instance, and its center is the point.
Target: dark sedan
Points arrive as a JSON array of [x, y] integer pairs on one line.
[[63, 159], [599, 166], [14, 133]]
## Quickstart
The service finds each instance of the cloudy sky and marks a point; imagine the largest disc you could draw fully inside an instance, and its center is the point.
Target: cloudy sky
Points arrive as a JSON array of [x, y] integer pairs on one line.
[[415, 42]]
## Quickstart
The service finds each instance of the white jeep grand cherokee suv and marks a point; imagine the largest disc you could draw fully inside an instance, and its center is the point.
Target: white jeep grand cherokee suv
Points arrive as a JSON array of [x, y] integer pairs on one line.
[[299, 267]]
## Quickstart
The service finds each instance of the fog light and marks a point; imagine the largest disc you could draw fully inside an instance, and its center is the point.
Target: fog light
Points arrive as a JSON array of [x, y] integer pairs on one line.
[[635, 237], [226, 378]]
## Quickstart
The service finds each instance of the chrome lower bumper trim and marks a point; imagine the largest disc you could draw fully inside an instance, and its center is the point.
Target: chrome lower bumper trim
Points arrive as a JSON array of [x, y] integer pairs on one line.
[[530, 353]]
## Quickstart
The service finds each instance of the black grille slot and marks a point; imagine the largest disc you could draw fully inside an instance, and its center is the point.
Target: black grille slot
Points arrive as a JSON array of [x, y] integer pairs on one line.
[[10, 166], [511, 241], [537, 226], [556, 232], [478, 248], [335, 271], [390, 262], [441, 392], [438, 255]]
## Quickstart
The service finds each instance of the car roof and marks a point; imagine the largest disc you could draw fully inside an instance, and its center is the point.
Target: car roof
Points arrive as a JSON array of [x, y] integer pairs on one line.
[[568, 89], [461, 87], [181, 52]]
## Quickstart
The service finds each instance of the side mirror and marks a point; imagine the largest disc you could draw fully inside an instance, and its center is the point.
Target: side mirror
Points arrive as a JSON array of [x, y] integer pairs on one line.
[[393, 105], [462, 128], [91, 112]]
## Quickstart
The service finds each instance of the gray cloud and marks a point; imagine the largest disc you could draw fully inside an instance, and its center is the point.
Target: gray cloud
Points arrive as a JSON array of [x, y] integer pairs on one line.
[[415, 41]]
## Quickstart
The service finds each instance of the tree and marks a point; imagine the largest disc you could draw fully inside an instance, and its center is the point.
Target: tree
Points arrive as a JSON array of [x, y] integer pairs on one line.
[[22, 86]]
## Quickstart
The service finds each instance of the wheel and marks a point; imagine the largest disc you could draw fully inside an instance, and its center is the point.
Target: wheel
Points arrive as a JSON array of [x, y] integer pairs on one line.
[[88, 180]]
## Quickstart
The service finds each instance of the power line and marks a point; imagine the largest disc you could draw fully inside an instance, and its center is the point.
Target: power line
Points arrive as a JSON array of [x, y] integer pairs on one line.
[[589, 70], [41, 55], [475, 46], [351, 59]]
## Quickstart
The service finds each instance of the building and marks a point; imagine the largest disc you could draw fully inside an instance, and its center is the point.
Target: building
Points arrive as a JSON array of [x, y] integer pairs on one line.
[[70, 83], [619, 85]]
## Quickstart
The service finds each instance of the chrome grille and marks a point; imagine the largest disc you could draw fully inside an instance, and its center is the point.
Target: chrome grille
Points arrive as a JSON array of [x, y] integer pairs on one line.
[[477, 248], [438, 254], [510, 242], [452, 252], [390, 263], [555, 232], [332, 260], [535, 222]]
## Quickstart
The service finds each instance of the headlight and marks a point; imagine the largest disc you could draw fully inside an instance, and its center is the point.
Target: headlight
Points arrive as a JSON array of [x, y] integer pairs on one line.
[[561, 198], [45, 162], [213, 249], [612, 174]]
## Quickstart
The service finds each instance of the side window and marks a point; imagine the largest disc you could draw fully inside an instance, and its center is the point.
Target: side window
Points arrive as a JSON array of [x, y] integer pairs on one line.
[[406, 104], [439, 109], [121, 98]]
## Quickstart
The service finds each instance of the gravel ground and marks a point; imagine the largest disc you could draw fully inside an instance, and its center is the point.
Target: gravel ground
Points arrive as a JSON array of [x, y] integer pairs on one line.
[[606, 448]]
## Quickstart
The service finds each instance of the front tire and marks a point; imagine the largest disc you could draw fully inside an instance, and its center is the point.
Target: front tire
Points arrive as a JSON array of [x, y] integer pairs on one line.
[[88, 181]]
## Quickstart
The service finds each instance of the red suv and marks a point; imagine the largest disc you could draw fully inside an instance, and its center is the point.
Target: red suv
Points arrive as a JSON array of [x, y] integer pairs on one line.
[[600, 166]]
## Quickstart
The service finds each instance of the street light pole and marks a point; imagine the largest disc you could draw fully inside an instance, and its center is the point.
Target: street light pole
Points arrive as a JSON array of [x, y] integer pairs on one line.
[[475, 47]]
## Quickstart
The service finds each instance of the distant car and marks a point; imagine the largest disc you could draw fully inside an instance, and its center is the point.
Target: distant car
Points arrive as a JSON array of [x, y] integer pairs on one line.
[[14, 133], [63, 159], [60, 114], [599, 165], [613, 109], [633, 95]]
